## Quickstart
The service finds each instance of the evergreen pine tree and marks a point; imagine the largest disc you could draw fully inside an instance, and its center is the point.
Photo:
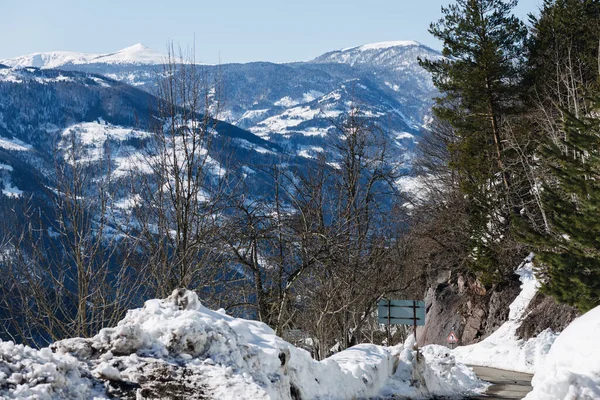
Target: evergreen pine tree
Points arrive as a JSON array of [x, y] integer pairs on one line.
[[480, 83], [570, 254], [563, 54], [562, 74]]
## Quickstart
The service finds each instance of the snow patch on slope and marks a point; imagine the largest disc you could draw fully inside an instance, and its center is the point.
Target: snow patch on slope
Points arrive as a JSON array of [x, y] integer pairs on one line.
[[136, 54], [384, 45], [14, 144], [503, 349], [10, 189], [49, 59], [96, 133], [290, 118]]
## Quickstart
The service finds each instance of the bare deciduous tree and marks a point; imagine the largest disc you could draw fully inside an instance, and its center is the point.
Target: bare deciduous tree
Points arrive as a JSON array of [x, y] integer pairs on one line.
[[181, 181], [66, 271]]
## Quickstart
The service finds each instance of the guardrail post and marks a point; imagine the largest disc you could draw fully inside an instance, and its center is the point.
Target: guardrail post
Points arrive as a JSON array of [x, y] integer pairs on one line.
[[389, 329]]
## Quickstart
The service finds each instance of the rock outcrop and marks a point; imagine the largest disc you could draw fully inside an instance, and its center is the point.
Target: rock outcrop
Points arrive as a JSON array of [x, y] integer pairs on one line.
[[464, 306]]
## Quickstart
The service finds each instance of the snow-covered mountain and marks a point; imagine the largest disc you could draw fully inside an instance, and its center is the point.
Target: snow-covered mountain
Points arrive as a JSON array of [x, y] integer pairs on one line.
[[381, 54], [42, 108], [290, 110], [137, 54], [262, 96]]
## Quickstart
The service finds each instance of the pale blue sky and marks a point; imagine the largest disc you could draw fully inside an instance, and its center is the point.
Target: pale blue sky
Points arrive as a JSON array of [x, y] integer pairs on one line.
[[225, 30]]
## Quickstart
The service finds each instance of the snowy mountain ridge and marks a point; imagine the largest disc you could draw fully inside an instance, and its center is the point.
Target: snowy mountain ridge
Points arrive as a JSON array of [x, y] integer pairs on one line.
[[141, 54], [383, 45], [292, 108], [396, 55], [136, 54]]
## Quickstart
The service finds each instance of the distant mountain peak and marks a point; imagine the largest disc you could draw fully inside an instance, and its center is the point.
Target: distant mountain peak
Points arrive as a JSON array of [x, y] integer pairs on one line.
[[136, 54], [135, 47], [384, 45], [394, 54]]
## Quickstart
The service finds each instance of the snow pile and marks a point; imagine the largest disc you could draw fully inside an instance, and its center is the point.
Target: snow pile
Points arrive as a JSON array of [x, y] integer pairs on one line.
[[572, 367], [503, 349], [435, 373], [42, 375], [177, 347]]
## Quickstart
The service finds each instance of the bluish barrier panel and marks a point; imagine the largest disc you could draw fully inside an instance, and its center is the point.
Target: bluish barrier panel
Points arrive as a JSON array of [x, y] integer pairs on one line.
[[401, 312]]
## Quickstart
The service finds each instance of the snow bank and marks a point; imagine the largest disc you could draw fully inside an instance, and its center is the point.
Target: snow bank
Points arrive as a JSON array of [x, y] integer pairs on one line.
[[26, 373], [435, 373], [503, 349], [572, 367], [177, 347]]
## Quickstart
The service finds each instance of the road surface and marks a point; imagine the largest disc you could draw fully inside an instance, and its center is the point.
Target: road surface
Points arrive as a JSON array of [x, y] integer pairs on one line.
[[505, 384]]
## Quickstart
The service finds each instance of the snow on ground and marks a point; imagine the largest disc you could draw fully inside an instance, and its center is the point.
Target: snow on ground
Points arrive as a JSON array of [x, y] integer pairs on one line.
[[403, 135], [436, 373], [292, 117], [92, 137], [10, 189], [413, 185], [286, 101], [250, 115], [503, 349], [572, 368], [129, 202], [26, 373], [251, 146], [14, 144], [310, 151], [20, 76], [96, 133], [177, 346]]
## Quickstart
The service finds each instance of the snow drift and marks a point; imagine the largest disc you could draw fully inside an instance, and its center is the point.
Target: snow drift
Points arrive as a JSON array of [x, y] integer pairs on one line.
[[503, 349], [572, 369], [177, 348]]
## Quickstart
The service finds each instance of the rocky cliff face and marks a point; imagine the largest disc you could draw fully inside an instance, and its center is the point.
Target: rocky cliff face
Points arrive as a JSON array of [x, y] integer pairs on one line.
[[463, 305]]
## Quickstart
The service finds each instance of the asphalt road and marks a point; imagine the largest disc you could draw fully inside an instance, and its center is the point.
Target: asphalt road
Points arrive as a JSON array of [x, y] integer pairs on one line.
[[505, 384]]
